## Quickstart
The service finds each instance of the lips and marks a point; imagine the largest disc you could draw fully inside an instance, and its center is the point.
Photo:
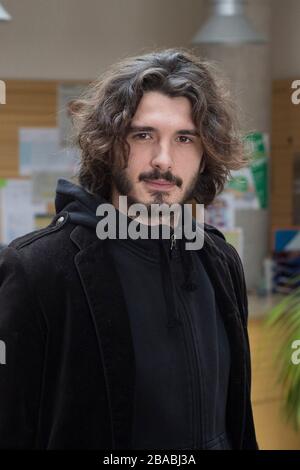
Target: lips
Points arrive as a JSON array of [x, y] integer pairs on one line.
[[159, 184]]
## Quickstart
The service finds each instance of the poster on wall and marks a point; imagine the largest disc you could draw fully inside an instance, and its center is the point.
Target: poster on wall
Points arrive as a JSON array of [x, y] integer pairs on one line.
[[258, 144], [220, 213], [249, 185], [17, 210], [40, 150], [242, 188]]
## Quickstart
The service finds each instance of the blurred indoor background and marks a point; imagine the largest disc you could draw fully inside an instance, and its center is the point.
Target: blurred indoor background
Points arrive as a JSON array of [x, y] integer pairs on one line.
[[50, 51]]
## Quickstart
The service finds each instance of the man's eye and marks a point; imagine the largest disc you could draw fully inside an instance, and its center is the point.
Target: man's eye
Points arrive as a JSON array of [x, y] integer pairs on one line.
[[184, 137], [141, 136]]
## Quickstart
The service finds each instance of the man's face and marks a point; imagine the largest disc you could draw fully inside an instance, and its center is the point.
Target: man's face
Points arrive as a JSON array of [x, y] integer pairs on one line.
[[165, 153]]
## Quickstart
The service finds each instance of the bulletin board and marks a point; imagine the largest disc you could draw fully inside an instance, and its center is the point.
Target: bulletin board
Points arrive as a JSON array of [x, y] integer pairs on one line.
[[29, 104]]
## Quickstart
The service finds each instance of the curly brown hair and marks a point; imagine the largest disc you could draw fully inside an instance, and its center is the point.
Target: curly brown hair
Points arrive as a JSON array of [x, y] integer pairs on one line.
[[102, 116]]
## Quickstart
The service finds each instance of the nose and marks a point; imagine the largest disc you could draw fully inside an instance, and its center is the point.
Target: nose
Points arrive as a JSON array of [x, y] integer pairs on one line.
[[162, 158]]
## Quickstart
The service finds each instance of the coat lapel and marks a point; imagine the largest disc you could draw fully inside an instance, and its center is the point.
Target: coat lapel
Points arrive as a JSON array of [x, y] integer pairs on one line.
[[108, 310]]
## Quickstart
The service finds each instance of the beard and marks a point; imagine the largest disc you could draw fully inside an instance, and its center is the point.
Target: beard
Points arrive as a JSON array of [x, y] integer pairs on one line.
[[125, 186]]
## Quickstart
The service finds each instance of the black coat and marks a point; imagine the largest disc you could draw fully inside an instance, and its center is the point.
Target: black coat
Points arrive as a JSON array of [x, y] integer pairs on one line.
[[67, 380]]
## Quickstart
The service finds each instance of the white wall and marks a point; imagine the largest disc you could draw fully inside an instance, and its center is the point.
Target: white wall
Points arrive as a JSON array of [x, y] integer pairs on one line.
[[78, 39], [285, 39]]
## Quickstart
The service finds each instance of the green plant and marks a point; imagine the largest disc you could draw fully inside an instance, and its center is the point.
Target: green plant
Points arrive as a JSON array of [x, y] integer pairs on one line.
[[284, 318]]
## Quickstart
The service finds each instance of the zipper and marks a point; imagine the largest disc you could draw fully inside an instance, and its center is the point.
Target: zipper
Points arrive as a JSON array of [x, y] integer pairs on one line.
[[173, 241], [198, 414], [197, 379]]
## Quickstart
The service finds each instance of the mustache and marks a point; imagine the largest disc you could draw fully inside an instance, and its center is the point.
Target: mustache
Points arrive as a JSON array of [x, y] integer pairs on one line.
[[156, 174]]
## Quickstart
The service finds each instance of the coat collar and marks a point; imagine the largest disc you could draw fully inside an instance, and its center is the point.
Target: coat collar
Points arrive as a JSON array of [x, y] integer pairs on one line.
[[107, 306]]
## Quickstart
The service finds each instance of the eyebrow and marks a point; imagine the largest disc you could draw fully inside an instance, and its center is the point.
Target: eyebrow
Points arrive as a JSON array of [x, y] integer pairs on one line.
[[193, 132]]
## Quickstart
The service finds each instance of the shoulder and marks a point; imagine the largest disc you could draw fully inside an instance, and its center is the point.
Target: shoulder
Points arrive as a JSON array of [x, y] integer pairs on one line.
[[43, 235], [227, 250], [39, 252]]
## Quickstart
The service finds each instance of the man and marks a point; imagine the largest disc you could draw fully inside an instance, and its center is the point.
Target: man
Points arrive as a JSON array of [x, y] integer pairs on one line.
[[123, 343]]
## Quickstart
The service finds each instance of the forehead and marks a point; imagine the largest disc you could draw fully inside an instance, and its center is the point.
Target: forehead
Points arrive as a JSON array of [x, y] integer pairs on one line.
[[155, 105]]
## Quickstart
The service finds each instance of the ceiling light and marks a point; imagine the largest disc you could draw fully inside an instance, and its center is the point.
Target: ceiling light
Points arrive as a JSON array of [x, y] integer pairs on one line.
[[4, 16], [228, 24]]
